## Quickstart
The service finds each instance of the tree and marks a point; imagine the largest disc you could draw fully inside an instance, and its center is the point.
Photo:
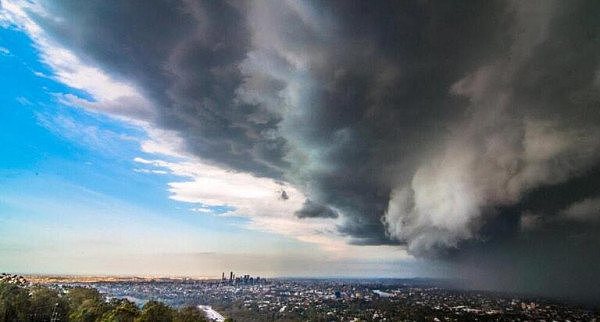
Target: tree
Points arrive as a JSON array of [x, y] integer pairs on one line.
[[77, 295], [47, 304], [89, 311], [154, 311], [19, 302], [87, 304], [14, 303], [189, 314], [122, 310]]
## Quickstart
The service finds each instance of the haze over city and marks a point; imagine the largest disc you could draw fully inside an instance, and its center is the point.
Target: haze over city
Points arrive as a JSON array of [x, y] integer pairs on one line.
[[458, 141]]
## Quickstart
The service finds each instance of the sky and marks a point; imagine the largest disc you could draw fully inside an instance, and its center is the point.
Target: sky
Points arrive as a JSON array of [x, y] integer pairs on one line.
[[299, 138]]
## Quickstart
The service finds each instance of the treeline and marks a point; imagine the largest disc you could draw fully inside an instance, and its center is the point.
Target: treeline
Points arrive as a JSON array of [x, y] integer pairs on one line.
[[22, 302]]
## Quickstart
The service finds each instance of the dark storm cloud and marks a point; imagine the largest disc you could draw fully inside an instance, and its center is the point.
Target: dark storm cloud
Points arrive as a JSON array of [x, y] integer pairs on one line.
[[428, 124], [531, 122], [377, 96], [312, 210], [185, 56]]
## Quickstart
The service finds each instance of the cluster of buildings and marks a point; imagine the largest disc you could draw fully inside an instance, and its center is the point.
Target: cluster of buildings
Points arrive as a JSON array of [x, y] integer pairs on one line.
[[245, 298], [244, 279]]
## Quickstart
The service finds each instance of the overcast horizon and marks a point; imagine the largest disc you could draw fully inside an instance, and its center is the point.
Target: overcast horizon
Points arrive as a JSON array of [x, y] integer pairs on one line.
[[303, 138]]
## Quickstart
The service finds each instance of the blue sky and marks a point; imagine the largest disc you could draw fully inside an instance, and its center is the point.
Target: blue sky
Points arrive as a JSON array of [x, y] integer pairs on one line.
[[79, 194], [55, 143], [67, 175]]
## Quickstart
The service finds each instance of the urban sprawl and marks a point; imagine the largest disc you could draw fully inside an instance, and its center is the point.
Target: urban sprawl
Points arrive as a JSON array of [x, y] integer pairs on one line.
[[249, 298]]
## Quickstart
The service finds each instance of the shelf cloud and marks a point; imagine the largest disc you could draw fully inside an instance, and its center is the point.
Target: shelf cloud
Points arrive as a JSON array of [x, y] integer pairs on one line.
[[430, 126]]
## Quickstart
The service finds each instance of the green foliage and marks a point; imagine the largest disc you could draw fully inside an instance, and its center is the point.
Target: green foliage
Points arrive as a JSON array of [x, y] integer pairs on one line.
[[78, 295], [47, 304], [89, 311], [14, 302], [189, 314], [87, 304], [121, 310], [19, 302], [154, 311]]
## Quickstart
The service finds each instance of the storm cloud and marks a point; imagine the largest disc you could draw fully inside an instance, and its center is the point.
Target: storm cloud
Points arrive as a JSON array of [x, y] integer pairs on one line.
[[311, 210], [429, 125]]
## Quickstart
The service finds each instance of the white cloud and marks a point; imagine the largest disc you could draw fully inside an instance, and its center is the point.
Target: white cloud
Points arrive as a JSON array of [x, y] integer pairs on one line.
[[151, 171], [90, 136], [258, 200], [112, 96], [203, 210], [165, 143]]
